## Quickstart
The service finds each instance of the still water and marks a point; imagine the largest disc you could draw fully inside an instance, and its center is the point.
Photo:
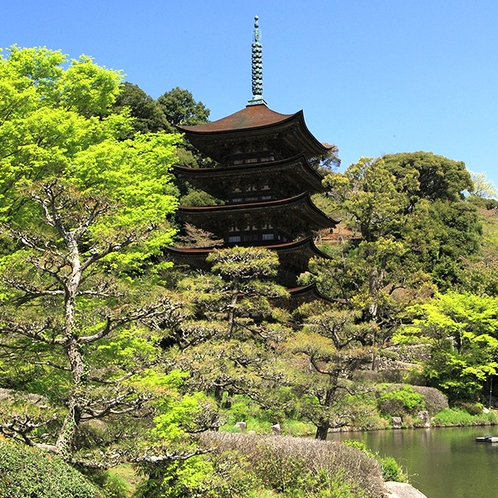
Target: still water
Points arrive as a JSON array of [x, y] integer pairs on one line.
[[442, 463]]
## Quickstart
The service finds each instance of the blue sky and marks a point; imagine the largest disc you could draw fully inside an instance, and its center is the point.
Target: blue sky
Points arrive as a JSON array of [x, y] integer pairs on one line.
[[372, 76]]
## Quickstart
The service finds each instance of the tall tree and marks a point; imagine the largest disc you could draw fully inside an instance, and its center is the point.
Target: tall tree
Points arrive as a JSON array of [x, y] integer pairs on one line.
[[234, 324], [332, 345], [180, 108], [147, 114], [482, 187], [82, 212]]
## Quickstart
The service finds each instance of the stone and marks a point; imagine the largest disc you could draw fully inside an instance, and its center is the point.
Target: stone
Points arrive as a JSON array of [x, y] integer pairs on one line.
[[424, 416], [277, 430], [397, 422], [242, 426], [402, 490]]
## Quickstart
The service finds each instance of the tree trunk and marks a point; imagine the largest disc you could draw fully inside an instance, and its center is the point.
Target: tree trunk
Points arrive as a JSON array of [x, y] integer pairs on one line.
[[322, 430], [65, 440], [231, 315]]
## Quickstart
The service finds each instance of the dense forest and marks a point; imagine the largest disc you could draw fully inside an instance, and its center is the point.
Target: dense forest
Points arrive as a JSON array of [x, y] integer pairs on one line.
[[111, 357]]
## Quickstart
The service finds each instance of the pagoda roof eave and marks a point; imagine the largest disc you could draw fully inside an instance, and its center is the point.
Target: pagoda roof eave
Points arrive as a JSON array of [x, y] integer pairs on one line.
[[302, 201], [313, 178], [285, 246], [251, 117], [254, 121], [310, 293]]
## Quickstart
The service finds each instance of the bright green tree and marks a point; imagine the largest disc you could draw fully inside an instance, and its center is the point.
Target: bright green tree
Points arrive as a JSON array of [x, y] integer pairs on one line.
[[83, 212], [461, 331]]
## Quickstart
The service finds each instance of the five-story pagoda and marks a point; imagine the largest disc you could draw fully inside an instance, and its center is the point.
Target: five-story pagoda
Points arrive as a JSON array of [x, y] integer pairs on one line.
[[265, 174]]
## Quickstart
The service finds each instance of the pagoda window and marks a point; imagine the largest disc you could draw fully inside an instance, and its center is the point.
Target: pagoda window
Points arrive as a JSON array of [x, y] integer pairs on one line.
[[251, 199], [236, 190], [236, 162], [266, 187], [237, 199], [267, 159], [266, 197], [268, 236], [251, 160], [234, 238]]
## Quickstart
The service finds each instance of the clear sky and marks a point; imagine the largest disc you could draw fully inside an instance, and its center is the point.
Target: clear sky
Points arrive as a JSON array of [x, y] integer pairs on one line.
[[372, 76]]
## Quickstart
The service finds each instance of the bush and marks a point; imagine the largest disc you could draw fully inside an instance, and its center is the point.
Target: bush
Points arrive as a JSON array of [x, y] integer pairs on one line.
[[469, 407], [391, 470], [292, 466], [27, 472], [434, 399], [399, 401]]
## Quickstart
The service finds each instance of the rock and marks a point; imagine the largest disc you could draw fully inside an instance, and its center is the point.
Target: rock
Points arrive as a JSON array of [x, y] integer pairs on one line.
[[242, 426], [397, 421], [424, 416], [277, 430], [402, 490]]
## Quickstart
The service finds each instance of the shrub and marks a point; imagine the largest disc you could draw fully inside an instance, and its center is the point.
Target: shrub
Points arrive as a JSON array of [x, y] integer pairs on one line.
[[434, 399], [295, 466], [391, 470], [469, 407], [399, 401], [27, 472]]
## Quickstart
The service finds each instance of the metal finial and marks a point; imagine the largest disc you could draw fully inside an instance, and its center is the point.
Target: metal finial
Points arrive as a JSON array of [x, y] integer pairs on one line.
[[257, 66]]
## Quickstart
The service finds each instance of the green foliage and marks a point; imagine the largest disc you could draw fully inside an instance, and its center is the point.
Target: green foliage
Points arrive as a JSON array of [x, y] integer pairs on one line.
[[482, 188], [456, 417], [147, 114], [180, 108], [399, 401], [391, 470], [88, 210], [461, 329], [390, 202], [292, 467], [178, 479], [27, 472]]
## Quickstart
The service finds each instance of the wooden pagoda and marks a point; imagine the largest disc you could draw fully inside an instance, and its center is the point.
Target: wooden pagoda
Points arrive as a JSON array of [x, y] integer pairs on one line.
[[265, 176]]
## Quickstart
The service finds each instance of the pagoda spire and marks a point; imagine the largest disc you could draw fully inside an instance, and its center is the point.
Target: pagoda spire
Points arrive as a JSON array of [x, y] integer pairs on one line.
[[257, 67]]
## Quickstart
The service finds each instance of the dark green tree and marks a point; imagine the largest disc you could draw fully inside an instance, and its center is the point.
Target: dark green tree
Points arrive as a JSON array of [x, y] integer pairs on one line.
[[325, 354], [180, 108], [229, 341], [148, 116]]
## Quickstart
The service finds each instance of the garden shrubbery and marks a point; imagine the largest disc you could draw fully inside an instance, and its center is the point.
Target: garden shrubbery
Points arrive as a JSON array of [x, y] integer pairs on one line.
[[291, 466], [27, 472], [401, 400]]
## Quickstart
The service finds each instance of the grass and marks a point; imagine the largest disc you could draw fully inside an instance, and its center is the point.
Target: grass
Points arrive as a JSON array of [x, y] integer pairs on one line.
[[455, 417]]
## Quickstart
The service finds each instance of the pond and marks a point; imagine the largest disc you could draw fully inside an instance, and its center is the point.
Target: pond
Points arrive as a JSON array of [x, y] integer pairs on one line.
[[442, 463]]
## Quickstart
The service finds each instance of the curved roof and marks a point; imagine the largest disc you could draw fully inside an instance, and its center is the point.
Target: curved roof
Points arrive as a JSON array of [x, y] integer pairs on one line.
[[217, 138], [294, 257], [252, 116], [303, 245], [298, 211], [217, 181]]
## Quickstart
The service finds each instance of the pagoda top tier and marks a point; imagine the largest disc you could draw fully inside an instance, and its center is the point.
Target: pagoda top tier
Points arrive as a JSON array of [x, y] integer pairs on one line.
[[257, 125]]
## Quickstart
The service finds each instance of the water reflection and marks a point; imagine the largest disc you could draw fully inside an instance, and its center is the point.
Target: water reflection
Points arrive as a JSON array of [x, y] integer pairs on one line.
[[442, 463]]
